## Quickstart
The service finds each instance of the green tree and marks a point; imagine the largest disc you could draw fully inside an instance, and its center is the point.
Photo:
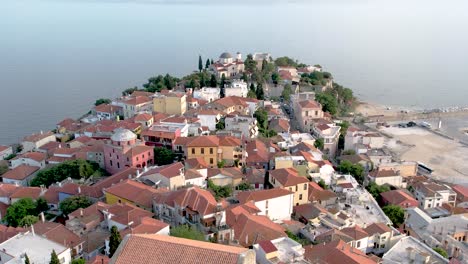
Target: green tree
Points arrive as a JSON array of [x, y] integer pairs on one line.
[[250, 64], [222, 85], [185, 231], [395, 213], [220, 191], [164, 156], [275, 77], [78, 261], [28, 220], [252, 87], [244, 77], [54, 258], [251, 94], [356, 170], [102, 101], [41, 205], [329, 103], [259, 92], [322, 184], [286, 93], [207, 64], [212, 62], [3, 169], [129, 91], [221, 124], [202, 81], [72, 203], [319, 143], [200, 63], [114, 240], [213, 81], [18, 210], [375, 190], [244, 186], [26, 259], [262, 118], [441, 252], [75, 169], [285, 61], [221, 163]]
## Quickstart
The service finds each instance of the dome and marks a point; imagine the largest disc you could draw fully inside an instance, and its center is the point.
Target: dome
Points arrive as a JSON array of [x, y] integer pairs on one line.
[[225, 55], [123, 135]]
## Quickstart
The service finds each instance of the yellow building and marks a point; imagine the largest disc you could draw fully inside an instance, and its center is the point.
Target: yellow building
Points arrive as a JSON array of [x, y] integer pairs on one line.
[[214, 149], [132, 192], [297, 162], [173, 103], [289, 179]]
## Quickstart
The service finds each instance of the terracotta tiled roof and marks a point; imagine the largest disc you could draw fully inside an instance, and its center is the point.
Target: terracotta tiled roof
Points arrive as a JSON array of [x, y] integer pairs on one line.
[[7, 232], [91, 213], [232, 172], [124, 213], [229, 141], [257, 152], [142, 93], [462, 192], [397, 197], [383, 173], [135, 192], [336, 252], [309, 211], [114, 179], [192, 174], [175, 119], [196, 163], [333, 235], [262, 195], [137, 150], [279, 124], [159, 134], [168, 171], [27, 192], [144, 249], [195, 198], [36, 156], [377, 228], [320, 195], [138, 100], [310, 104], [267, 246], [203, 141], [356, 232], [99, 259], [159, 116], [143, 117], [107, 108], [57, 233], [21, 172], [6, 190], [146, 225], [287, 177], [37, 137]]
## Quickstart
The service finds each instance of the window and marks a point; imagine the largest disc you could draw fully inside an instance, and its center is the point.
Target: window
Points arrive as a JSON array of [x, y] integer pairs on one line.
[[118, 165], [211, 150], [137, 158], [316, 112], [305, 186], [193, 151], [300, 196], [358, 244], [307, 113], [202, 151], [429, 205], [382, 246], [211, 160], [296, 188], [117, 156], [111, 163], [143, 156]]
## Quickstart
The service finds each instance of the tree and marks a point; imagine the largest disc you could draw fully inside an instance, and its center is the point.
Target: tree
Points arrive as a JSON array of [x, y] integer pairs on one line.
[[395, 213], [286, 93], [319, 143], [259, 92], [78, 261], [244, 77], [322, 184], [3, 169], [164, 156], [212, 62], [213, 81], [375, 190], [221, 163], [28, 220], [102, 101], [72, 203], [244, 186], [220, 191], [185, 231], [114, 240], [252, 87], [129, 91], [26, 259], [328, 102], [223, 83], [207, 64], [20, 209], [356, 170], [202, 80], [251, 94], [41, 205], [262, 118], [441, 252], [275, 77], [75, 169], [200, 63], [250, 64], [54, 258], [285, 61]]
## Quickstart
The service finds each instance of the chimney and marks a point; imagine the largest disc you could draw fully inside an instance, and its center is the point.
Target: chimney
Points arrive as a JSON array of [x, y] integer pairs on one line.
[[81, 211], [32, 230], [138, 174], [42, 132], [42, 217], [60, 146], [79, 189]]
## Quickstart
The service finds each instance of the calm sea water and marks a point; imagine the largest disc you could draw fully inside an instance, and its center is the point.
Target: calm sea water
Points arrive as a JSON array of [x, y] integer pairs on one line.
[[58, 56]]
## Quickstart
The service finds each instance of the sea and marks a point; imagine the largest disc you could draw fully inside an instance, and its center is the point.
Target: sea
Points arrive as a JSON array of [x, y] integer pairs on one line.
[[58, 56]]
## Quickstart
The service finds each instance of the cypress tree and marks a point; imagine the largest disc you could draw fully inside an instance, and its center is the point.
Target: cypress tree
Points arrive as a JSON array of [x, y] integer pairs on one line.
[[213, 81], [114, 241], [26, 259], [54, 258], [200, 63], [207, 65], [223, 83], [252, 87], [202, 81], [259, 92], [212, 62]]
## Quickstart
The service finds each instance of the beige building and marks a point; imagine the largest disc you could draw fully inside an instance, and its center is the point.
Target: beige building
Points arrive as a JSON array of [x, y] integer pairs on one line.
[[173, 103], [137, 104], [290, 180], [170, 176]]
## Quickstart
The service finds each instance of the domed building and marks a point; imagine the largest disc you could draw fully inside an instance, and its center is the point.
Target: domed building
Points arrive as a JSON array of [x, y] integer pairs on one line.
[[228, 65], [124, 150]]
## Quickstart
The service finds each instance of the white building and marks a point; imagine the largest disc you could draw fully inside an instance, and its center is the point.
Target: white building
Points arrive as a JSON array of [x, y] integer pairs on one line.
[[276, 203], [35, 141], [246, 125], [209, 118], [236, 88], [209, 94], [361, 141], [280, 250], [330, 134], [5, 151], [37, 159], [411, 250], [38, 249], [430, 194], [390, 177]]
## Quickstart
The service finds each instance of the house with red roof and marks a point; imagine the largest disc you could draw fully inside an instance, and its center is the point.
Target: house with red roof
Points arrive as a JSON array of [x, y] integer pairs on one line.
[[135, 105], [279, 250], [20, 175], [5, 151], [330, 133], [36, 159], [276, 204], [399, 197], [228, 65], [462, 195], [337, 252], [289, 179], [171, 176], [35, 141], [108, 111]]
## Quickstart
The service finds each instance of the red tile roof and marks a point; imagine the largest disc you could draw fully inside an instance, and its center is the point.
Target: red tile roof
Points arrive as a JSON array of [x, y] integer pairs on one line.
[[168, 171], [310, 104], [21, 172], [36, 156], [262, 195], [146, 225], [135, 192], [7, 232], [27, 192], [196, 163], [37, 137], [383, 173], [99, 259], [144, 249], [398, 197], [287, 177], [195, 198], [6, 190], [377, 228], [57, 233], [203, 141], [336, 252], [267, 246], [138, 100], [356, 232], [143, 117], [107, 108]]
